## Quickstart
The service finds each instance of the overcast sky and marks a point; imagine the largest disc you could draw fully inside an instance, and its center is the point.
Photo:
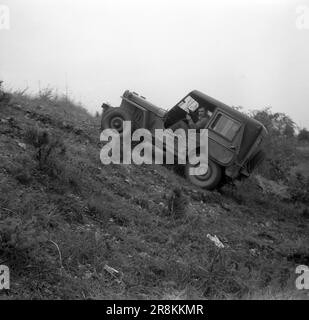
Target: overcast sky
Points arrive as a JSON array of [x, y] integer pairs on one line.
[[244, 53]]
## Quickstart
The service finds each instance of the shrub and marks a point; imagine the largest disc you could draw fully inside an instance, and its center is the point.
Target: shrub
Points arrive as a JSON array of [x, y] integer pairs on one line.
[[47, 94], [280, 144], [21, 239], [47, 147], [299, 189], [53, 160], [4, 96], [21, 169], [20, 234], [303, 135], [177, 203]]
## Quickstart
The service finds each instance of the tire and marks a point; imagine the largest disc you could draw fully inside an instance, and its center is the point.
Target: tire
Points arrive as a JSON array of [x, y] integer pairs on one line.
[[208, 181], [113, 119]]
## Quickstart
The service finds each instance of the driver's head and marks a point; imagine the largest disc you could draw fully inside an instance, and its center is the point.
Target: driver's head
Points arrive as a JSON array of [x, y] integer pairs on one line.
[[201, 113]]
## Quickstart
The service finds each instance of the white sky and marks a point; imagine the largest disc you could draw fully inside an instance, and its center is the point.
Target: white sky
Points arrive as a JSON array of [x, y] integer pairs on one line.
[[247, 53]]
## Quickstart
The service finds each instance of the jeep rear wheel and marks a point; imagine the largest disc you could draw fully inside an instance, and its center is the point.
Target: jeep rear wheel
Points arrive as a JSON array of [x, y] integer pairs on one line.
[[210, 180], [113, 119]]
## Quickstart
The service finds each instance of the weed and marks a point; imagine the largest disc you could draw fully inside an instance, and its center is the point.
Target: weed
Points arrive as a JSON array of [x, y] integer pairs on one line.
[[177, 203], [299, 189]]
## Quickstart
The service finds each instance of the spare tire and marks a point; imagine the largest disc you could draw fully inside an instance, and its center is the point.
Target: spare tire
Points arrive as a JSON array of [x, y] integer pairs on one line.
[[113, 119]]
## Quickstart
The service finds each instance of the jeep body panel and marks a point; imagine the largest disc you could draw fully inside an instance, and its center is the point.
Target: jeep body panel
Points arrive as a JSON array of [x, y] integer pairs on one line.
[[144, 113]]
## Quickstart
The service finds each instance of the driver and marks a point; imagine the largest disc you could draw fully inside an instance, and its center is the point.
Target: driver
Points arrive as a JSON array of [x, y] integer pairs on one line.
[[188, 123], [203, 118]]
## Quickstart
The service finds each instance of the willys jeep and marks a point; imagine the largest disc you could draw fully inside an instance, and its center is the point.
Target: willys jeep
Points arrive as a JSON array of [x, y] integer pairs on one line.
[[234, 139]]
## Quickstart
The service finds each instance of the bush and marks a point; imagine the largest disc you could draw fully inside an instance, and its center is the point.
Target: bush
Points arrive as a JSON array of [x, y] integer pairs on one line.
[[21, 240], [47, 94], [47, 146], [299, 189], [303, 135], [280, 144], [53, 160], [21, 169], [20, 234], [177, 203], [4, 96]]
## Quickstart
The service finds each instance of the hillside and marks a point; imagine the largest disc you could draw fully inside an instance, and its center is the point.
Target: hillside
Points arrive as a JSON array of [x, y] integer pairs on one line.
[[71, 228]]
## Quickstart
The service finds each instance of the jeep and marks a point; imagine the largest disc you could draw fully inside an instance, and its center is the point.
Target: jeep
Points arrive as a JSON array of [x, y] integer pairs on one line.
[[234, 139]]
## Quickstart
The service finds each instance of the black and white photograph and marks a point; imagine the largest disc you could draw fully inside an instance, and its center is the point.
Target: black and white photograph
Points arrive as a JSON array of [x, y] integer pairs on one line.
[[154, 150]]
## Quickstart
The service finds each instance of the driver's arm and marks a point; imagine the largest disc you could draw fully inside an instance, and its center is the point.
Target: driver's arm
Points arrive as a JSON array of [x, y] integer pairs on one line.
[[191, 123]]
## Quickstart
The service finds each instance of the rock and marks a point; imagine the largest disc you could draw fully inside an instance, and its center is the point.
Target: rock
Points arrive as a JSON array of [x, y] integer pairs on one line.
[[144, 255], [216, 241], [87, 275], [97, 236], [22, 145], [254, 252], [226, 207]]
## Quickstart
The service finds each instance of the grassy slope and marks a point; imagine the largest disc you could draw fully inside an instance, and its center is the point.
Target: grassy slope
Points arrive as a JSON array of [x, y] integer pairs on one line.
[[60, 228]]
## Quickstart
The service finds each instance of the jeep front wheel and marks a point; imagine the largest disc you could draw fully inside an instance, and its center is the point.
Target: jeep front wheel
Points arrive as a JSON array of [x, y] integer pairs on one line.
[[210, 180]]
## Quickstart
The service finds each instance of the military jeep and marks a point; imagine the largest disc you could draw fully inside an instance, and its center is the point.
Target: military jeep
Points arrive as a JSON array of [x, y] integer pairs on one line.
[[234, 139]]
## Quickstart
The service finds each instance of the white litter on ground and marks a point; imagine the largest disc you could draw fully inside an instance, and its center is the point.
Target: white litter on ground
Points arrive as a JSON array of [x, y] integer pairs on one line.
[[215, 240]]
